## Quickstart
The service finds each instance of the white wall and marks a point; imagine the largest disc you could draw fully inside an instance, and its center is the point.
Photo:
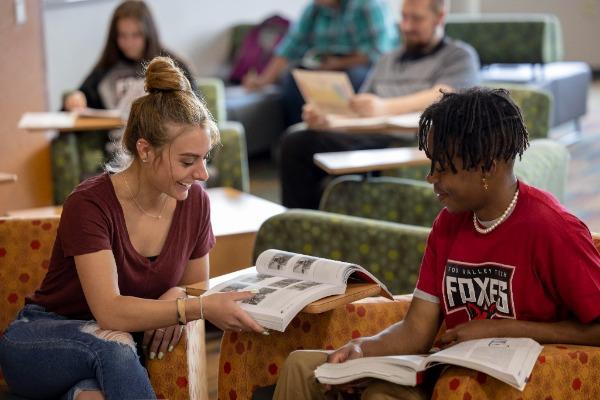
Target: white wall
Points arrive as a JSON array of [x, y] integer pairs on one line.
[[196, 30]]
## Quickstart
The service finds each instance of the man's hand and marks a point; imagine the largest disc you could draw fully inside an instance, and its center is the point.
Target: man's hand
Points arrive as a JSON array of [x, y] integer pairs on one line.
[[314, 118], [349, 351], [476, 329], [368, 105]]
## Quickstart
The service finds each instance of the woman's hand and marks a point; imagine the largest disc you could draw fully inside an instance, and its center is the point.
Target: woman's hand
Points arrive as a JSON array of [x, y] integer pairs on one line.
[[314, 118], [159, 341], [75, 100], [223, 311]]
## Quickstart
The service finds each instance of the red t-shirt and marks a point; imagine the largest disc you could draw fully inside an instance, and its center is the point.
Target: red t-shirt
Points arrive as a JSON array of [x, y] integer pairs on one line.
[[93, 220], [538, 265]]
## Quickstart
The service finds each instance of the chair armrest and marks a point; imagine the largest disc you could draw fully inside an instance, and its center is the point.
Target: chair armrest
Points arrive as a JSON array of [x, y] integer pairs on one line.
[[182, 373], [250, 360], [561, 372]]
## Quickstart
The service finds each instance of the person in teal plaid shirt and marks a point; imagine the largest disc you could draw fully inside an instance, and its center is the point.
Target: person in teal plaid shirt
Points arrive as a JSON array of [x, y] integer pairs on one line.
[[339, 35]]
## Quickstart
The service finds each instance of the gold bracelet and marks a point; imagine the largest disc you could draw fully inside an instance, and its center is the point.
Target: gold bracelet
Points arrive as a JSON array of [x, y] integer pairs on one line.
[[181, 320], [201, 308]]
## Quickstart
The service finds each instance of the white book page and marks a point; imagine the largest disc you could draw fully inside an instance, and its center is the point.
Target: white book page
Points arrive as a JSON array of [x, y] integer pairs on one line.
[[278, 298], [508, 359], [303, 267], [410, 120], [47, 120], [398, 369]]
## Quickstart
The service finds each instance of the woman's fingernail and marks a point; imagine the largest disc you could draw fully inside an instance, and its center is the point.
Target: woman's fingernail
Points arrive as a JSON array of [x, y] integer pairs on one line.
[[254, 291], [170, 349], [266, 333], [161, 355], [152, 355]]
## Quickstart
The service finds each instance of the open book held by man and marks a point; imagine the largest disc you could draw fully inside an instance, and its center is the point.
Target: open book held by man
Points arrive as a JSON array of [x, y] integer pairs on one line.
[[287, 282], [507, 359]]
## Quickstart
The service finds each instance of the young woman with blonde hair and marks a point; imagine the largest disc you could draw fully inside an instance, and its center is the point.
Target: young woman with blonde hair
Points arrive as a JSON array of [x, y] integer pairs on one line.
[[128, 241]]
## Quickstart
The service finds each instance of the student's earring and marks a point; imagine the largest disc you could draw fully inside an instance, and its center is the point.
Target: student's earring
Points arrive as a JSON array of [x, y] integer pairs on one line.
[[485, 184]]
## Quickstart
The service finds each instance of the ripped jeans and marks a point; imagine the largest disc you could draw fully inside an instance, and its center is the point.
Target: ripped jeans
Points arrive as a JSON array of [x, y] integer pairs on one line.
[[44, 355]]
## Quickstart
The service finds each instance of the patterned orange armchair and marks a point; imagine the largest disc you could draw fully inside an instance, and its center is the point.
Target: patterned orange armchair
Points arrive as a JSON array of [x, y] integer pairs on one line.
[[25, 249], [249, 361]]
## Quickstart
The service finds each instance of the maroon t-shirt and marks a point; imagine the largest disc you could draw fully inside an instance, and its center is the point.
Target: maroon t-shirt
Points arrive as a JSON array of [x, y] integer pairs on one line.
[[93, 220]]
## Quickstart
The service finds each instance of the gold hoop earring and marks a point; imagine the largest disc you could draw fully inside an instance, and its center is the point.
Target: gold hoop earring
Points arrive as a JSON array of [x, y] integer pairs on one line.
[[485, 184]]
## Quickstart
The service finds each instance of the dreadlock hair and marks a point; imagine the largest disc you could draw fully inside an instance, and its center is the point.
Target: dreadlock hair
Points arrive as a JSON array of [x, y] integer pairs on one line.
[[478, 125]]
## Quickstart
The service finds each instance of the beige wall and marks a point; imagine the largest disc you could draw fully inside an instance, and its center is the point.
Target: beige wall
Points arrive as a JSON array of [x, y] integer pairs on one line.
[[23, 86]]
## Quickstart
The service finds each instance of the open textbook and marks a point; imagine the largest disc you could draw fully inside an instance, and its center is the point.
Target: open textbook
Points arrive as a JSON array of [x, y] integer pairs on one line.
[[509, 360], [287, 282], [331, 91]]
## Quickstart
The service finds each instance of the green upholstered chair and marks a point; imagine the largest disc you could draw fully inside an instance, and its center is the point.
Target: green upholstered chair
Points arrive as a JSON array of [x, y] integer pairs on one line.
[[544, 165], [509, 38], [536, 106], [78, 156], [230, 159]]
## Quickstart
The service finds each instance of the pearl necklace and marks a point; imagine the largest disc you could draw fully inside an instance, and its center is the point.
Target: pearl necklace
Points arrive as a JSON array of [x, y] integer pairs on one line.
[[500, 220], [159, 216]]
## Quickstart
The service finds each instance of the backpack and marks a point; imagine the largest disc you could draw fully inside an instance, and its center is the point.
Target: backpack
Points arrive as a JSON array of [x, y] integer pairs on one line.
[[258, 46]]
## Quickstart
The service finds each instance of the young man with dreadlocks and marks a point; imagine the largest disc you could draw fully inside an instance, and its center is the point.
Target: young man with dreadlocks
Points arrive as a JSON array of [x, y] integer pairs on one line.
[[503, 259]]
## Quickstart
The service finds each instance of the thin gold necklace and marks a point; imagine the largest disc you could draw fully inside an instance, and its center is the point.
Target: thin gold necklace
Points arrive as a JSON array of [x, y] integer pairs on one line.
[[159, 216]]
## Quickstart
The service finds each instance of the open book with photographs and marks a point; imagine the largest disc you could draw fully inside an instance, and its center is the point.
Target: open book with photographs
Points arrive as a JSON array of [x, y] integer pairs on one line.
[[509, 360], [288, 282]]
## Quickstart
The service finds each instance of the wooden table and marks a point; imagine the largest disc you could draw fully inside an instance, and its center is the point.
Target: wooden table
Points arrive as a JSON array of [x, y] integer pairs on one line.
[[362, 161], [7, 178], [235, 216], [78, 124]]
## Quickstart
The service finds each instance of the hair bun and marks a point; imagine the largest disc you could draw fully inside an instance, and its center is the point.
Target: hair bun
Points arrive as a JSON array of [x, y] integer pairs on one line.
[[163, 75]]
